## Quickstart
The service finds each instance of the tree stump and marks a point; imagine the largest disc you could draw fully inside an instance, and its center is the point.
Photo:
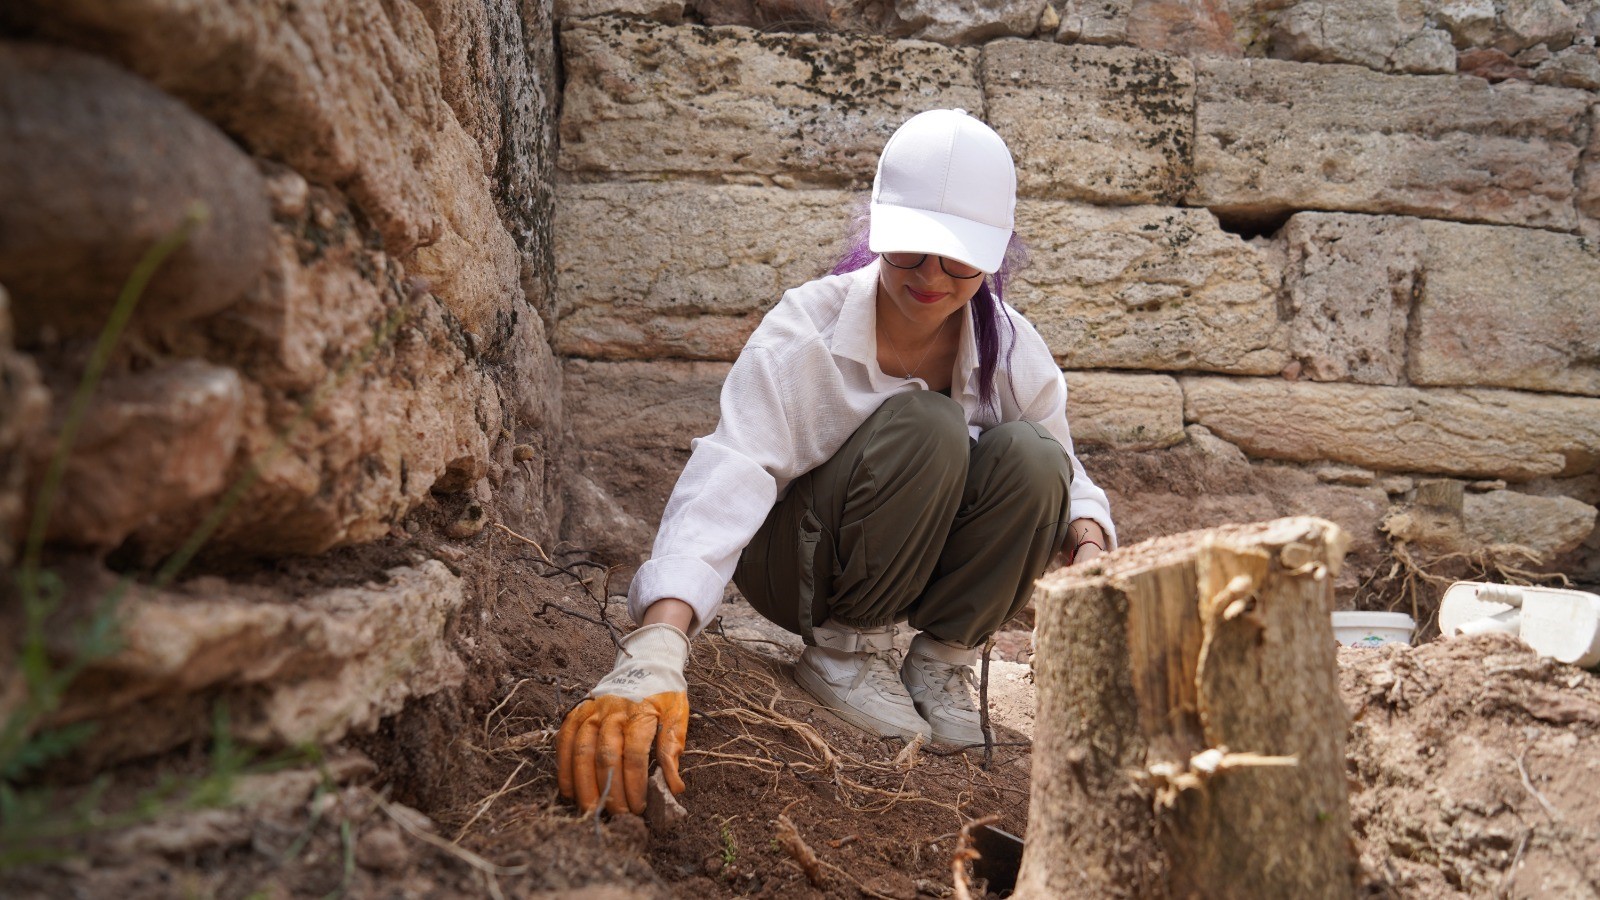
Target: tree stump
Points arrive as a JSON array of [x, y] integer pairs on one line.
[[1190, 736]]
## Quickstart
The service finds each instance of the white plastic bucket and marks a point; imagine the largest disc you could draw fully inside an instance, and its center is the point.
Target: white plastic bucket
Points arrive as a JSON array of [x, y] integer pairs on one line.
[[1371, 629]]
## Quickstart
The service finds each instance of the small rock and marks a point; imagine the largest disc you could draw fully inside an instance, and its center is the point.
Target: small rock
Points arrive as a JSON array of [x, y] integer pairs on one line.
[[1491, 65], [470, 523], [1480, 487], [662, 810], [382, 849]]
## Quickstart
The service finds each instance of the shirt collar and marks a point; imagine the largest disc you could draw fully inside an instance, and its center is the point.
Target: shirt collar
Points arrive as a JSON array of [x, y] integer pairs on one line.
[[856, 334]]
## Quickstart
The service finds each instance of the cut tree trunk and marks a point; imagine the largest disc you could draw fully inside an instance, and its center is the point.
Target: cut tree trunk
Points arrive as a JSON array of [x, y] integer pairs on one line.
[[1190, 737]]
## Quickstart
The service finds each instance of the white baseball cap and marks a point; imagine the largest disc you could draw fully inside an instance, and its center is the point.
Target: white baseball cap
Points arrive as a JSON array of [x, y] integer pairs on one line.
[[945, 185]]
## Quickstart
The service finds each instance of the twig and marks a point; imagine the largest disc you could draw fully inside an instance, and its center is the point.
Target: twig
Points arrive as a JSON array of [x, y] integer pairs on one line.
[[456, 850], [983, 706], [964, 853], [611, 629], [1504, 889], [489, 800], [1528, 783], [790, 840]]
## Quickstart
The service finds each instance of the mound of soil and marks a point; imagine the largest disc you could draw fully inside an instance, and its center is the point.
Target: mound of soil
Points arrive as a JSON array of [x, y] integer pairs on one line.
[[1474, 766]]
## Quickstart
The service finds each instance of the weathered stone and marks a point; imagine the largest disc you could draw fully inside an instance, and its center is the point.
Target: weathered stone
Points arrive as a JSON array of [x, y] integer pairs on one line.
[[1094, 21], [1549, 526], [633, 284], [786, 15], [957, 22], [1524, 23], [1183, 27], [1147, 288], [1428, 52], [1589, 179], [1105, 125], [152, 444], [394, 395], [730, 104], [1478, 433], [1491, 65], [312, 670], [669, 11], [1334, 473], [1574, 67], [1363, 32], [349, 95], [97, 167], [1349, 282], [1276, 136], [630, 425], [1508, 307], [1469, 22], [24, 404], [1127, 412]]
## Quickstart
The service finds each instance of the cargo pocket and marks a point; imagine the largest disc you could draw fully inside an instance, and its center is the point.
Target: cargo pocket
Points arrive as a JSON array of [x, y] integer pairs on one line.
[[811, 549]]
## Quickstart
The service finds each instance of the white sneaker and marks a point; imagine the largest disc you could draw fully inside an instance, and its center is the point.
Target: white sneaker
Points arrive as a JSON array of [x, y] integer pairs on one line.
[[857, 677], [939, 678]]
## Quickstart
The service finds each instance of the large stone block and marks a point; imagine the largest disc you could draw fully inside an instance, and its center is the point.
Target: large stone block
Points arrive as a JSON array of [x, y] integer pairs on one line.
[[153, 445], [97, 166], [295, 670], [1094, 21], [1273, 137], [1387, 35], [669, 11], [1549, 526], [967, 22], [369, 381], [1148, 288], [1124, 412], [1478, 433], [349, 95], [1509, 307], [649, 270], [1106, 125], [731, 104], [1185, 27], [1349, 283], [630, 424]]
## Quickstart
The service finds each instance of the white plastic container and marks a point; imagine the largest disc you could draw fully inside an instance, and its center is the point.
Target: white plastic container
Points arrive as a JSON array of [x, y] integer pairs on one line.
[[1556, 622], [1372, 629]]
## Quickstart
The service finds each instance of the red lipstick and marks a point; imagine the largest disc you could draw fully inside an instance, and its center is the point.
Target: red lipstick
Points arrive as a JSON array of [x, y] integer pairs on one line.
[[921, 297]]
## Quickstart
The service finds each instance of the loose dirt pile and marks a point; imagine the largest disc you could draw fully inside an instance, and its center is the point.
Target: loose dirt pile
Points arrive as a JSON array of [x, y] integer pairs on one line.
[[1472, 766]]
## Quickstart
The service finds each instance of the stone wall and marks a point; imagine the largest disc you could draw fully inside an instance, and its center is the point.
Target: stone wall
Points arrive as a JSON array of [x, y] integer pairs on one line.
[[1295, 257], [360, 320]]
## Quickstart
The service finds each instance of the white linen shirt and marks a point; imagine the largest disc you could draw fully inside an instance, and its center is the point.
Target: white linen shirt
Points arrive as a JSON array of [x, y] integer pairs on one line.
[[805, 381]]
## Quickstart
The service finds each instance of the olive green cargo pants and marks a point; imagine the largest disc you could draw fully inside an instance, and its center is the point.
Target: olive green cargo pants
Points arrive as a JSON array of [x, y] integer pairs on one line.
[[913, 521]]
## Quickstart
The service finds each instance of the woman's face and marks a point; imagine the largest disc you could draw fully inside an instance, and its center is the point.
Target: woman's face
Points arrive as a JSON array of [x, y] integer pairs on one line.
[[926, 295]]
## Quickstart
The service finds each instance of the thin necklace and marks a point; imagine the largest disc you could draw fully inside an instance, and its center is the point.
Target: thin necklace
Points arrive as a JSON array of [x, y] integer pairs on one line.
[[912, 373]]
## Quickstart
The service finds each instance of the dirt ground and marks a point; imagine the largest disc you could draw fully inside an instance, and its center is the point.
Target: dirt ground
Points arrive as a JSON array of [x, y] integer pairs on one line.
[[1472, 767]]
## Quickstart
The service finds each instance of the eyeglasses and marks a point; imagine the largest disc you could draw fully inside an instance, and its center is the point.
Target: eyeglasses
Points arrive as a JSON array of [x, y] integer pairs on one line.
[[951, 267]]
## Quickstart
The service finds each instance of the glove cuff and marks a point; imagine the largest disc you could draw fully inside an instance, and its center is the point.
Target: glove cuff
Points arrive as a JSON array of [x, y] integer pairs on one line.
[[661, 643]]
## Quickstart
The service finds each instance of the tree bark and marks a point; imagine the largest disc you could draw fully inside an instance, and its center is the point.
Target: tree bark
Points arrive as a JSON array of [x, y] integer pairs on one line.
[[1174, 679]]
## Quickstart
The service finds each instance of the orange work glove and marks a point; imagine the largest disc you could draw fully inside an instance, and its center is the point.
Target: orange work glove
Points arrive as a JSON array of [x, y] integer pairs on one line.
[[607, 738]]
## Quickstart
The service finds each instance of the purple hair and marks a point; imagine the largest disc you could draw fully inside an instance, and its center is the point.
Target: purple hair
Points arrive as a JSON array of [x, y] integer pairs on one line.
[[987, 314]]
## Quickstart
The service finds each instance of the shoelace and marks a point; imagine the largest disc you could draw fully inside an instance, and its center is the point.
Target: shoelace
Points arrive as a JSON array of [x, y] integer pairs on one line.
[[884, 669], [955, 686]]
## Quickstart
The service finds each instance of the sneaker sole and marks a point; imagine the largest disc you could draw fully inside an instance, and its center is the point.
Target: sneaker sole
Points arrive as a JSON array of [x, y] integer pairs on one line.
[[822, 693]]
